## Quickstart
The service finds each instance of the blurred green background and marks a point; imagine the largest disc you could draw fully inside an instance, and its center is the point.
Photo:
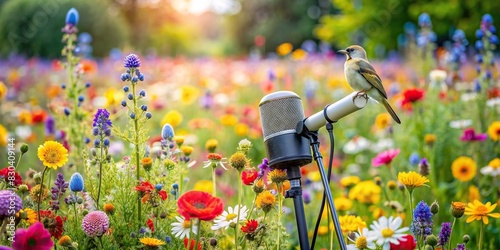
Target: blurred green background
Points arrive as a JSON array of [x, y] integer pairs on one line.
[[228, 27]]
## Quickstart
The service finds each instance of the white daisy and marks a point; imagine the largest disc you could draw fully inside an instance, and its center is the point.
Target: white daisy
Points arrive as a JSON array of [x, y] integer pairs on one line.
[[493, 168], [386, 231], [182, 228], [230, 216], [356, 145], [362, 239]]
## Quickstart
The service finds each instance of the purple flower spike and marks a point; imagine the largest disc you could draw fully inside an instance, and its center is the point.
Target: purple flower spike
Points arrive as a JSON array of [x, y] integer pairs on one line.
[[132, 61]]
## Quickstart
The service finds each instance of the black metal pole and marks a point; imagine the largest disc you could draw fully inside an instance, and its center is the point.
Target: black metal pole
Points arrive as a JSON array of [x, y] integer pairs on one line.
[[295, 192], [313, 137]]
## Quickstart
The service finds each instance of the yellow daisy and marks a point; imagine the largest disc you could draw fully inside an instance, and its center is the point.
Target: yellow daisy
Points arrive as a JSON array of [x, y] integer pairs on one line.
[[412, 179], [151, 242], [53, 154], [464, 168], [265, 201], [494, 131], [477, 211]]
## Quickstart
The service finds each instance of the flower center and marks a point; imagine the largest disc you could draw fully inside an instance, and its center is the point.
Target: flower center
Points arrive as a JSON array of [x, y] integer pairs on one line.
[[361, 242], [230, 217], [387, 233], [199, 205], [186, 224], [51, 156], [31, 242], [482, 210], [464, 169]]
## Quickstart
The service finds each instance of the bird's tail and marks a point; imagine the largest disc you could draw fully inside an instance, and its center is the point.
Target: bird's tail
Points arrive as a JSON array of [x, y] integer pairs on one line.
[[391, 111]]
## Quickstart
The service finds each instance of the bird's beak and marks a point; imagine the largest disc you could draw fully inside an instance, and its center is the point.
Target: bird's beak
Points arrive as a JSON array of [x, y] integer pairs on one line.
[[342, 52]]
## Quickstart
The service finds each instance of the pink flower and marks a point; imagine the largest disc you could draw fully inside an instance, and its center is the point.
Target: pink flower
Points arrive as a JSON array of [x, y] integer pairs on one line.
[[385, 157], [470, 135], [35, 237], [95, 223]]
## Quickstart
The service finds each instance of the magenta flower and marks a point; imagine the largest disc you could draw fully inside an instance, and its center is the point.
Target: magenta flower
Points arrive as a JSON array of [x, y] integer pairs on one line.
[[470, 135], [385, 157], [35, 237], [95, 223]]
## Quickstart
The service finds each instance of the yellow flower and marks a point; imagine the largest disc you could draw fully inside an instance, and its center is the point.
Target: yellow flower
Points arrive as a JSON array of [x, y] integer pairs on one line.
[[322, 230], [35, 193], [204, 185], [172, 117], [187, 150], [113, 97], [430, 139], [494, 130], [3, 136], [53, 154], [365, 192], [241, 129], [29, 215], [238, 161], [65, 241], [477, 211], [412, 179], [188, 94], [349, 181], [474, 193], [211, 145], [3, 90], [151, 242], [25, 117], [277, 176], [147, 163], [284, 49], [464, 168], [351, 223], [299, 54], [179, 140], [229, 120], [109, 208], [342, 203], [383, 120], [265, 201]]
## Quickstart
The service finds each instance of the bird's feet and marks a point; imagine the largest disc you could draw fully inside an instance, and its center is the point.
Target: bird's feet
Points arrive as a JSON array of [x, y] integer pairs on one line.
[[360, 93]]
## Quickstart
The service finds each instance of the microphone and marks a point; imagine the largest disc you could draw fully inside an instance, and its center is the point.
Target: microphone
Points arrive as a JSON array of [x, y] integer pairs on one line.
[[280, 112]]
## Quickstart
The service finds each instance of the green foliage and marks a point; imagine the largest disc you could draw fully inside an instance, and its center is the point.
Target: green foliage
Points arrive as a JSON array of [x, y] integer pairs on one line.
[[278, 21], [374, 23], [30, 27]]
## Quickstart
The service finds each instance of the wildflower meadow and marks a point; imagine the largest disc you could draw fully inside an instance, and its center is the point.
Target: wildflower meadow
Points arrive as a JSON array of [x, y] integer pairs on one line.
[[140, 151]]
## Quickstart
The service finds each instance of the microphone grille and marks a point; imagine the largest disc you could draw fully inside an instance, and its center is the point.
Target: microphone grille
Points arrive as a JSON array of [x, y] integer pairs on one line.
[[279, 113]]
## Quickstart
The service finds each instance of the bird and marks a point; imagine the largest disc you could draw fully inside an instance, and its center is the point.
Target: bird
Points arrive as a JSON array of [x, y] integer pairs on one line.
[[362, 77]]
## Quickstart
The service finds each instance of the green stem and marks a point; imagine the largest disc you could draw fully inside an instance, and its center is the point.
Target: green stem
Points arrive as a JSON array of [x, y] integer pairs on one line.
[[100, 176], [280, 205], [253, 207], [136, 149], [451, 232], [214, 192], [410, 197], [262, 236], [480, 247], [197, 235], [100, 240], [240, 191], [40, 194], [76, 216]]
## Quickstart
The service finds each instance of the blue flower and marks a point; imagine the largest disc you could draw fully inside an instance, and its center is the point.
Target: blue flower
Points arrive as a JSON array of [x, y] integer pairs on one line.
[[159, 186], [148, 115], [101, 119], [424, 20], [422, 220], [414, 159], [479, 34], [132, 61], [72, 17], [125, 89], [167, 132], [124, 103], [76, 182], [487, 18]]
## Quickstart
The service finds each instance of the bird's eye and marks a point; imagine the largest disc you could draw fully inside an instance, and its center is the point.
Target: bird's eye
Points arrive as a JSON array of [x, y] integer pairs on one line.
[[349, 50]]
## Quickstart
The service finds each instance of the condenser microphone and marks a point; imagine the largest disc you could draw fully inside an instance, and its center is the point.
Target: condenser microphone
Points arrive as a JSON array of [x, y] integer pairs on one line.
[[280, 112]]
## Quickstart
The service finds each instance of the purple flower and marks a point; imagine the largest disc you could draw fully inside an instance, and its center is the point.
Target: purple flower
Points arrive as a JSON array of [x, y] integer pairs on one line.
[[50, 128], [444, 234], [422, 221], [460, 247], [101, 119], [58, 190], [470, 135], [10, 203], [264, 169], [132, 61]]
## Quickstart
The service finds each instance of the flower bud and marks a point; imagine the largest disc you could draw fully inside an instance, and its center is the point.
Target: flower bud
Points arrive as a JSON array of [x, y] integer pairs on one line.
[[378, 180], [431, 240], [457, 209], [434, 207], [24, 148], [38, 178], [147, 163], [238, 161], [65, 241], [163, 215], [109, 208], [79, 200], [213, 242], [424, 167], [85, 211], [392, 185], [466, 238], [23, 188]]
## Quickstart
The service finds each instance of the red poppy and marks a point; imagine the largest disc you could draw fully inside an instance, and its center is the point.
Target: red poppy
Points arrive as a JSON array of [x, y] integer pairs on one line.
[[201, 205], [411, 96], [53, 223], [151, 225], [249, 175], [405, 245], [163, 194], [145, 186], [250, 226], [11, 176], [192, 243], [38, 116]]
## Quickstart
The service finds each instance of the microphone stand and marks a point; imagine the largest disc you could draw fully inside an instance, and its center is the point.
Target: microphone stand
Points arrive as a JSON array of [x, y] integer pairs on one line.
[[314, 141], [295, 192]]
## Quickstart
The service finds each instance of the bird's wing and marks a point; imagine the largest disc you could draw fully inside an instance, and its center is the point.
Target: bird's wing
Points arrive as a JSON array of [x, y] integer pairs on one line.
[[368, 72]]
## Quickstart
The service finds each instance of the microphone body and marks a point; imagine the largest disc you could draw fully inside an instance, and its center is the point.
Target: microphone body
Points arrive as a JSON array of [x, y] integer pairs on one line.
[[280, 112]]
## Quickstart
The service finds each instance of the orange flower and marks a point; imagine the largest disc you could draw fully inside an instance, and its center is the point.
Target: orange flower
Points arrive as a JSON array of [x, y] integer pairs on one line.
[[464, 168]]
